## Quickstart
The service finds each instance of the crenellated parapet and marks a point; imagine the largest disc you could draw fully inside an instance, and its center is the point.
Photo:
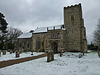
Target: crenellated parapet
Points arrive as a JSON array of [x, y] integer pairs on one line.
[[76, 5]]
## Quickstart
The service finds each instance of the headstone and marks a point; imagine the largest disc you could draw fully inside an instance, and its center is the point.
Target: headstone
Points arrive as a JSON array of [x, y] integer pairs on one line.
[[0, 53], [80, 55], [4, 52], [50, 56], [98, 53], [32, 52], [17, 54], [83, 53], [11, 51], [61, 54]]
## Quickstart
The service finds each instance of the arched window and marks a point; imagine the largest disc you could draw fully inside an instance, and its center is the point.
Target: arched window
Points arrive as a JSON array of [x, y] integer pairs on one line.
[[38, 43], [72, 19], [57, 35]]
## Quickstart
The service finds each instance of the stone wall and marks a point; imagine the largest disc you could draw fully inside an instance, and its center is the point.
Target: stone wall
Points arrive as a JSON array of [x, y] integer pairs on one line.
[[46, 40], [41, 37], [24, 43]]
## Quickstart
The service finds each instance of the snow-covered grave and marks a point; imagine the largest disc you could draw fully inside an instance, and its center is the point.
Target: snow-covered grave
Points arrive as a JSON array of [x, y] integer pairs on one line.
[[12, 56], [68, 64]]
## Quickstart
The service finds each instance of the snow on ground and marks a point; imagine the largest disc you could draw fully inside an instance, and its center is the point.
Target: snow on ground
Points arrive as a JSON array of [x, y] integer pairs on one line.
[[9, 56], [68, 64]]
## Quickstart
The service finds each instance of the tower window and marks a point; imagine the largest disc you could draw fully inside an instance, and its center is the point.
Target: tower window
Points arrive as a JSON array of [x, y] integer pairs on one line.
[[72, 30], [72, 17]]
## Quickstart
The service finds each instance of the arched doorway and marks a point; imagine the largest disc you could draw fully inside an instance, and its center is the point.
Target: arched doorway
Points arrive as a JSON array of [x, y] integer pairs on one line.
[[54, 47]]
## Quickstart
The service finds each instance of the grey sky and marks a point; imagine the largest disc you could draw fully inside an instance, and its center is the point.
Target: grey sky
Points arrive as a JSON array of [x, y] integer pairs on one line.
[[29, 14]]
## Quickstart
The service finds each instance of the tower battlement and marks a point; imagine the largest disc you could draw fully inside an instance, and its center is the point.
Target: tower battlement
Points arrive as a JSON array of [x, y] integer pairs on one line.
[[76, 5]]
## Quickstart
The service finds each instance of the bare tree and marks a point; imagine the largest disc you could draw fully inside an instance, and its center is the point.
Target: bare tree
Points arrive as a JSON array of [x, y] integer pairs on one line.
[[13, 33], [97, 33], [11, 36]]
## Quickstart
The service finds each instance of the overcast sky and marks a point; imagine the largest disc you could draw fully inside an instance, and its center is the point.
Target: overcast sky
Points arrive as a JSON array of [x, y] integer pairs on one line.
[[29, 14]]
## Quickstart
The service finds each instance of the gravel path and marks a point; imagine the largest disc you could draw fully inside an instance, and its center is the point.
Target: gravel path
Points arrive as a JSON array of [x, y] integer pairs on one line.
[[12, 62]]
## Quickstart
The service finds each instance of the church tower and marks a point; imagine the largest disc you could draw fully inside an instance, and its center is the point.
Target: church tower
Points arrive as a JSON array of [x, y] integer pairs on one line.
[[75, 33]]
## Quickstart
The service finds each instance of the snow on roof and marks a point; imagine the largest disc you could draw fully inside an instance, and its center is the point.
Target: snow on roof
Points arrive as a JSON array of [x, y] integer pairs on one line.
[[39, 30], [51, 28], [44, 29], [58, 27], [25, 35], [63, 28]]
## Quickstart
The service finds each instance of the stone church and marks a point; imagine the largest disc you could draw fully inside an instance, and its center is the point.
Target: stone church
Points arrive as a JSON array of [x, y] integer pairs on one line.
[[71, 36]]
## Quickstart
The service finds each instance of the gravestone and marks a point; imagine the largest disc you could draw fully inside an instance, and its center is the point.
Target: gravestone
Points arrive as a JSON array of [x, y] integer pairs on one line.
[[98, 53], [32, 52], [83, 53], [11, 51], [80, 55], [17, 54], [50, 56], [4, 52], [0, 53], [61, 53]]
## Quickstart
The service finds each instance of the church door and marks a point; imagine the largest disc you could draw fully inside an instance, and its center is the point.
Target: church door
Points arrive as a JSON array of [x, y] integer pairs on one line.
[[54, 47]]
